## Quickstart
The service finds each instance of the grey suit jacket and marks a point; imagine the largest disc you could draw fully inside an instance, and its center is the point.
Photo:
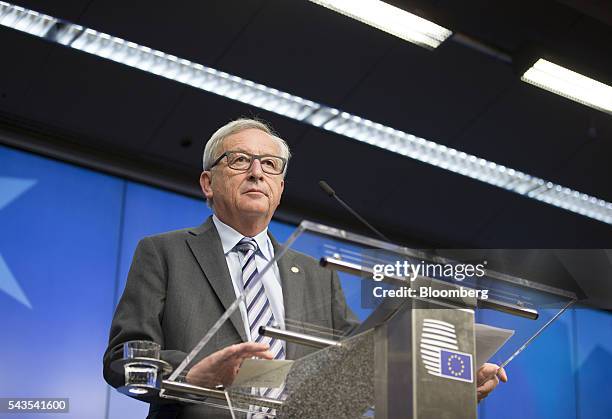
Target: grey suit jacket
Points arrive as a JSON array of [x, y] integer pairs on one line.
[[179, 285]]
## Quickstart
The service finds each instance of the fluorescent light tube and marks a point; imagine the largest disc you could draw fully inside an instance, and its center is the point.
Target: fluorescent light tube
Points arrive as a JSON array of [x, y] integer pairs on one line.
[[569, 84], [390, 19], [306, 111], [25, 20]]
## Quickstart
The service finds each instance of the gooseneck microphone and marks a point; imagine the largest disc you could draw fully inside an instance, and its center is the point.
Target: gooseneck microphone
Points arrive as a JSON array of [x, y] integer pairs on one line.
[[331, 193]]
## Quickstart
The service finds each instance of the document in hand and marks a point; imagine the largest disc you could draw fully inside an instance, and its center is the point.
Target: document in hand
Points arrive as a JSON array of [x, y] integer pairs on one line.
[[262, 373]]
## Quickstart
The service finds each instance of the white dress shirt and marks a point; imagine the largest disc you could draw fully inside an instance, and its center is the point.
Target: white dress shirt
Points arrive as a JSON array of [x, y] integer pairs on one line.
[[270, 279]]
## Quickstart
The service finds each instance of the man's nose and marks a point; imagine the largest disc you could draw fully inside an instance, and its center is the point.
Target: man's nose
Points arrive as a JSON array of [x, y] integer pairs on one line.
[[256, 171]]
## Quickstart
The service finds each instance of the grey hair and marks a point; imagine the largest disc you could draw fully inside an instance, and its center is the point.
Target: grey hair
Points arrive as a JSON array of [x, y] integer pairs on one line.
[[214, 144]]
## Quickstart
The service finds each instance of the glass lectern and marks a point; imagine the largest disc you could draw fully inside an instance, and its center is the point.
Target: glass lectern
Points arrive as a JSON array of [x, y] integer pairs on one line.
[[368, 329]]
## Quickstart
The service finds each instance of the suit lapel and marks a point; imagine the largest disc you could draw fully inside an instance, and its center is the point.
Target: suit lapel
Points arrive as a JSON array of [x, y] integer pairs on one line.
[[205, 244], [208, 251], [293, 289]]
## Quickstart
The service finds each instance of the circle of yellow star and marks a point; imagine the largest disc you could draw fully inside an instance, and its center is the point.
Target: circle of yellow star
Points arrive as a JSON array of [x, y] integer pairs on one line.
[[451, 369]]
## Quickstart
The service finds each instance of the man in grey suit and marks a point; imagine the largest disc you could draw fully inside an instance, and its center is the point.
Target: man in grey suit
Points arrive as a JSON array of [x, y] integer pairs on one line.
[[181, 282]]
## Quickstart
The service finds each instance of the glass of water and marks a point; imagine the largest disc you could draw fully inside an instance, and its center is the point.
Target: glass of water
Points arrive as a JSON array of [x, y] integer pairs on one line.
[[142, 371]]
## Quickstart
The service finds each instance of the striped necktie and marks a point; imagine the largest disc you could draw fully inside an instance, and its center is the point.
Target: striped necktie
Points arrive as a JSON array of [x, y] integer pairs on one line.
[[259, 311]]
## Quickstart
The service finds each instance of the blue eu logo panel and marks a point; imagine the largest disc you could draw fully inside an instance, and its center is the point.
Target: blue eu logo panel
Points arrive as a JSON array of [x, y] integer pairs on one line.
[[456, 365], [58, 249]]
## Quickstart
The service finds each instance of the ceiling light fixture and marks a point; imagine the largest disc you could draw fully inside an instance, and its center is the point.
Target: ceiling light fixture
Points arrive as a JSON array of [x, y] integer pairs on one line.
[[306, 111], [390, 19], [25, 20], [569, 84]]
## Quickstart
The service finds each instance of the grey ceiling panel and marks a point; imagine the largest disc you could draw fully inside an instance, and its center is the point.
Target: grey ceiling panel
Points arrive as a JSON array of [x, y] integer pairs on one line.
[[529, 130], [590, 168], [23, 57], [585, 48], [200, 31], [597, 9], [505, 24], [102, 100], [432, 94], [304, 49]]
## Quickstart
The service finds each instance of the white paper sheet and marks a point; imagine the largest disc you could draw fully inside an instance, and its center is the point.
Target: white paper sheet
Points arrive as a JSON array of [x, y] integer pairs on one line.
[[489, 340], [262, 373]]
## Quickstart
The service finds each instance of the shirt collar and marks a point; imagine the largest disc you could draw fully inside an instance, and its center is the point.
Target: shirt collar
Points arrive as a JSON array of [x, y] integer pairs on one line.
[[230, 238]]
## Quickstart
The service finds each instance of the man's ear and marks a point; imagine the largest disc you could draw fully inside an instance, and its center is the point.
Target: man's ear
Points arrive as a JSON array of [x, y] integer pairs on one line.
[[206, 184]]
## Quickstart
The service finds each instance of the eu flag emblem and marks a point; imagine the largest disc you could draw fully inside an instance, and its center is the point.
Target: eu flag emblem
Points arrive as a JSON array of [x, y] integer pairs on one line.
[[456, 365]]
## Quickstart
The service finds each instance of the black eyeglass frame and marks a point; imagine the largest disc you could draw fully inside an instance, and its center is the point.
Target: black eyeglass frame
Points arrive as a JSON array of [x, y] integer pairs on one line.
[[253, 158]]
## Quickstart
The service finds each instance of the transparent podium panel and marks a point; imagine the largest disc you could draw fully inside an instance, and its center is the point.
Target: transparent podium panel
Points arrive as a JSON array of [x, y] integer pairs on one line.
[[339, 291]]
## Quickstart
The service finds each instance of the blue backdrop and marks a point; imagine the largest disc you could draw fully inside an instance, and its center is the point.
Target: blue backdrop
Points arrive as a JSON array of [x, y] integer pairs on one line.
[[67, 236]]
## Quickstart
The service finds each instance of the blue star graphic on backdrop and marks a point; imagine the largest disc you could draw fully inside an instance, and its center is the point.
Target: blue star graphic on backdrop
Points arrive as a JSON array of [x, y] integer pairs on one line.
[[10, 190]]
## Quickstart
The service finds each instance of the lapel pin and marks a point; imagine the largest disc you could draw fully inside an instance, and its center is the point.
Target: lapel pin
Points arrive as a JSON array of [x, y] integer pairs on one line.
[[295, 269]]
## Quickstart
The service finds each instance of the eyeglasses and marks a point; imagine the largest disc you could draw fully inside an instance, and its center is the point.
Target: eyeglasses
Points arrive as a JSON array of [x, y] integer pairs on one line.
[[239, 160]]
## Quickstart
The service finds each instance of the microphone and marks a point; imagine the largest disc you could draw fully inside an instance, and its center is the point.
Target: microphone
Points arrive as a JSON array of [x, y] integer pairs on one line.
[[332, 194]]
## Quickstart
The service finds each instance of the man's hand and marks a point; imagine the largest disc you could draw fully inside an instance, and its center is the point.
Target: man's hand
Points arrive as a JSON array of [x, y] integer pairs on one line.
[[222, 366], [487, 378]]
